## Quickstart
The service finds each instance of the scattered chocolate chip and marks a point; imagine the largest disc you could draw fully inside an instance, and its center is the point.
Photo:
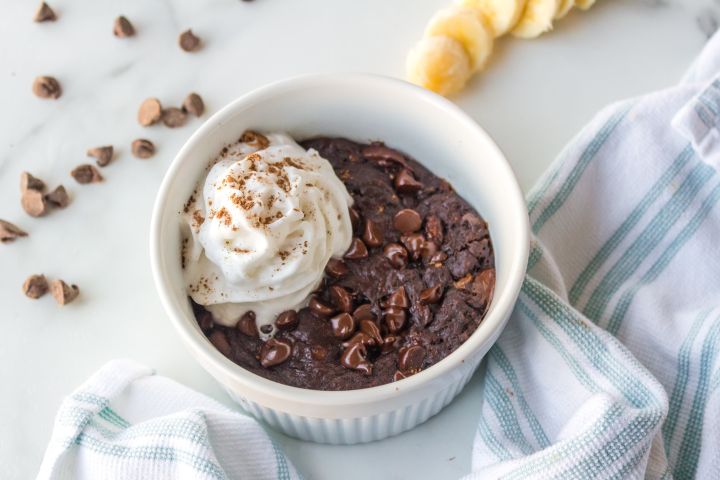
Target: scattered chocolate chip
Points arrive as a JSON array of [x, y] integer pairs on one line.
[[274, 352], [35, 286], [354, 358], [174, 117], [407, 220], [318, 353], [405, 182], [34, 203], [44, 13], [63, 293], [431, 295], [434, 229], [123, 28], [398, 298], [428, 251], [394, 319], [255, 139], [47, 87], [414, 243], [28, 182], [247, 325], [363, 312], [287, 320], [383, 156], [320, 309], [343, 325], [372, 234], [390, 343], [58, 198], [354, 219], [341, 298], [86, 173], [357, 250], [188, 41], [361, 337], [150, 112], [484, 285], [396, 254], [142, 148], [10, 232], [410, 359], [102, 155], [194, 104], [370, 328], [220, 341], [336, 268], [266, 329]]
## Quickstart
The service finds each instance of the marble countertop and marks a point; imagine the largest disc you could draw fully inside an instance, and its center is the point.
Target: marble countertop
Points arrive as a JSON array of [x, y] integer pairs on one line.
[[532, 99]]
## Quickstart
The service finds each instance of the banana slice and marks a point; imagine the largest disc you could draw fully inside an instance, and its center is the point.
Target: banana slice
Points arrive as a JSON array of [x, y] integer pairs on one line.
[[564, 6], [537, 18], [467, 26], [584, 4], [439, 63], [500, 15]]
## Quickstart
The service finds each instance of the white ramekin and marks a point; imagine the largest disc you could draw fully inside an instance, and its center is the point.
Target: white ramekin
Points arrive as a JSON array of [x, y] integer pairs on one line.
[[361, 107]]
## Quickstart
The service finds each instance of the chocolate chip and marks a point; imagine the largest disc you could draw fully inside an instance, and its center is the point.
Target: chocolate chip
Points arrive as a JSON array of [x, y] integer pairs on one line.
[[44, 13], [354, 219], [58, 198], [414, 243], [28, 182], [103, 155], [318, 353], [370, 328], [396, 254], [123, 28], [354, 358], [247, 325], [484, 285], [383, 156], [194, 104], [220, 341], [398, 298], [357, 250], [336, 268], [150, 112], [47, 87], [407, 220], [9, 232], [63, 293], [363, 312], [361, 337], [405, 182], [35, 286], [390, 343], [343, 325], [394, 319], [205, 320], [428, 251], [266, 329], [434, 229], [174, 117], [188, 41], [34, 203], [431, 295], [274, 352], [287, 320], [86, 173], [320, 309], [341, 298], [142, 148], [410, 359], [372, 234]]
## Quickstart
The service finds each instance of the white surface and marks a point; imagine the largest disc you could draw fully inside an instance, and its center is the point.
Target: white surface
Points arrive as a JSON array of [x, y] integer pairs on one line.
[[532, 99]]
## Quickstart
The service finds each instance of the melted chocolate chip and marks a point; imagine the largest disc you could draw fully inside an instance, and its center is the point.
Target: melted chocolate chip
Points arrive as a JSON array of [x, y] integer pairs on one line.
[[319, 309], [361, 337], [394, 319], [247, 325], [410, 359], [390, 343], [414, 243], [354, 358], [407, 220], [405, 182], [372, 234], [398, 299], [484, 285], [370, 328], [274, 352], [341, 298], [384, 156], [396, 254], [343, 325], [363, 312], [287, 320], [431, 295], [336, 268], [357, 250]]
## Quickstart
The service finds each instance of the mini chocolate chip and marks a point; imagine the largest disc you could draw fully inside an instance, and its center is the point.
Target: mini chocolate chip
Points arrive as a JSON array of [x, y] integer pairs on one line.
[[58, 198], [247, 325], [34, 203], [372, 234], [150, 112], [188, 41], [405, 182], [398, 375], [142, 148], [407, 220], [287, 320], [383, 156], [431, 295], [390, 343], [484, 285], [410, 359], [194, 104], [341, 298], [47, 87], [354, 219], [354, 358], [434, 229], [398, 298], [336, 268], [86, 173], [28, 182], [274, 352], [220, 341], [361, 337], [103, 155], [357, 250], [396, 254], [318, 352], [63, 293], [266, 329], [122, 27], [35, 286], [44, 13], [414, 243], [205, 320], [343, 325], [9, 232], [394, 319], [320, 309], [370, 328], [363, 312], [174, 117]]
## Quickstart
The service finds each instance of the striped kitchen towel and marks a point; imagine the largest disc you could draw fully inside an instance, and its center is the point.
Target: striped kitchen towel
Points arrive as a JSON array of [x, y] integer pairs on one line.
[[610, 365]]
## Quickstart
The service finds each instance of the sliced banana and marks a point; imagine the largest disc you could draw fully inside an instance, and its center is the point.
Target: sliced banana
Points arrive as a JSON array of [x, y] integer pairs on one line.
[[564, 6], [467, 26], [500, 15], [439, 63], [536, 19], [584, 4]]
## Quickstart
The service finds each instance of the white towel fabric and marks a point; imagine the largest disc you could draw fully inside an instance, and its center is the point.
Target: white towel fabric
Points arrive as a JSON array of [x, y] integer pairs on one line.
[[609, 367]]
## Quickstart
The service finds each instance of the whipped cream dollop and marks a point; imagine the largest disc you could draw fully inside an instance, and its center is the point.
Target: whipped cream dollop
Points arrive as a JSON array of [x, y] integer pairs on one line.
[[262, 226]]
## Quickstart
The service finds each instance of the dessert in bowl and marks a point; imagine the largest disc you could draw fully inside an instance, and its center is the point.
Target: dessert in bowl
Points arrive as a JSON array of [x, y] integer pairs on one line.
[[340, 288]]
